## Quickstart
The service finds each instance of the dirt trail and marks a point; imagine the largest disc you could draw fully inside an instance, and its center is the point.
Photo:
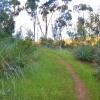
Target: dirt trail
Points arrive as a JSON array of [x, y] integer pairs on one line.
[[79, 87]]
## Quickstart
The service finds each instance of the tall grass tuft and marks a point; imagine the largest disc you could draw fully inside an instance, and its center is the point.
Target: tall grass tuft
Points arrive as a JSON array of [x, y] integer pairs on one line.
[[86, 53], [13, 54]]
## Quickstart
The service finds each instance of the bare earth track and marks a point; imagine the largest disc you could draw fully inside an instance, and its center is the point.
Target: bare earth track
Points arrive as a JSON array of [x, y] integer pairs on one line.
[[79, 87]]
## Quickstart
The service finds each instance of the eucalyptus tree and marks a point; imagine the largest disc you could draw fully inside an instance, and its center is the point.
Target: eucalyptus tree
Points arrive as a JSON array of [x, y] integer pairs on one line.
[[15, 4], [62, 21], [34, 10], [6, 23], [31, 8], [44, 10], [95, 23], [6, 19], [51, 7], [81, 27], [47, 8], [8, 10]]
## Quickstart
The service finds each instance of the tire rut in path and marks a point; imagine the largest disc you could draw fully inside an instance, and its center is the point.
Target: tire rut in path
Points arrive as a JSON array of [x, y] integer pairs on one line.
[[79, 87]]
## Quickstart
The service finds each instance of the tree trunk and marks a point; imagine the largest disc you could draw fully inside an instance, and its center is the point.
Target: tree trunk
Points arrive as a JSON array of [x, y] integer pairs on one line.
[[34, 27], [40, 26], [46, 27], [60, 43], [60, 40]]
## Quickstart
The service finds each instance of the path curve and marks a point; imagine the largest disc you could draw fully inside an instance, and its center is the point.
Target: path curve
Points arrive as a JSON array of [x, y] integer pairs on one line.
[[80, 91]]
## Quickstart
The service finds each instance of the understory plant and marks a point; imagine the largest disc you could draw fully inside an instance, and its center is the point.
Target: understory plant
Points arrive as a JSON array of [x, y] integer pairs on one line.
[[86, 53], [13, 53]]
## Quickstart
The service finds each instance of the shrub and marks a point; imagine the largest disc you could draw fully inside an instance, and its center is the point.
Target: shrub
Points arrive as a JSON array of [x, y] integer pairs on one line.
[[56, 43], [50, 42], [70, 46], [86, 52], [63, 44], [14, 53], [43, 41]]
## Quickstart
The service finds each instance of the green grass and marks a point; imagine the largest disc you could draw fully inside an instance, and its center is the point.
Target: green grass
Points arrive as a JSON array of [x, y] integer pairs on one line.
[[46, 79], [84, 70]]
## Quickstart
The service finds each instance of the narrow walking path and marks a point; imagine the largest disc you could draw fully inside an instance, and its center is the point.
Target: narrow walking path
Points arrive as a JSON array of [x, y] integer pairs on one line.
[[79, 87]]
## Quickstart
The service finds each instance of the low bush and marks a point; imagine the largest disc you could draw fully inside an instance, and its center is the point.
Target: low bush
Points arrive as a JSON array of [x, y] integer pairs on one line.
[[13, 53], [86, 53]]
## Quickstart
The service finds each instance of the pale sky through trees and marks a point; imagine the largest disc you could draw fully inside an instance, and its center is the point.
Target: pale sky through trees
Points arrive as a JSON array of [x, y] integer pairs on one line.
[[24, 20]]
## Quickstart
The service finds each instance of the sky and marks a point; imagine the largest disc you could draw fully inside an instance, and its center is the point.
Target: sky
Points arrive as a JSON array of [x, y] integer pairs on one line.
[[24, 20]]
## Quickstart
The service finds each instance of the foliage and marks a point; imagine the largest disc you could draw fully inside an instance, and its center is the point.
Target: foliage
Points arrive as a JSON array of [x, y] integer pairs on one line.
[[7, 23], [35, 7], [85, 53], [47, 42], [15, 5], [82, 7], [31, 8], [60, 23], [43, 41], [94, 20], [13, 53], [30, 35], [52, 43], [82, 23], [70, 46], [63, 44], [56, 43]]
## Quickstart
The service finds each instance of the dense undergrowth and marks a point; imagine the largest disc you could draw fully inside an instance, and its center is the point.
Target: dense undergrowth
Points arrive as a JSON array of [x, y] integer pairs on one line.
[[13, 53], [86, 53]]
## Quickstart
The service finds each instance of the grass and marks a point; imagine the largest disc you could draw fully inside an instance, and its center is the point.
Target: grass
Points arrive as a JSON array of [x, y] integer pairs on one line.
[[84, 70], [46, 79]]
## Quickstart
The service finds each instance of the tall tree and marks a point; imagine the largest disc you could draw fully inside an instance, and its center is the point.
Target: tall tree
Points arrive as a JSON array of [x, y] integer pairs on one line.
[[81, 20], [31, 8], [8, 10], [51, 7], [46, 9], [62, 21], [93, 23], [6, 19], [15, 4], [7, 23]]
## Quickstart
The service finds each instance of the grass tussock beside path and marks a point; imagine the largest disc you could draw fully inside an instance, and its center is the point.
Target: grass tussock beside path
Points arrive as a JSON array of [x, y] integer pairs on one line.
[[84, 70], [46, 79]]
